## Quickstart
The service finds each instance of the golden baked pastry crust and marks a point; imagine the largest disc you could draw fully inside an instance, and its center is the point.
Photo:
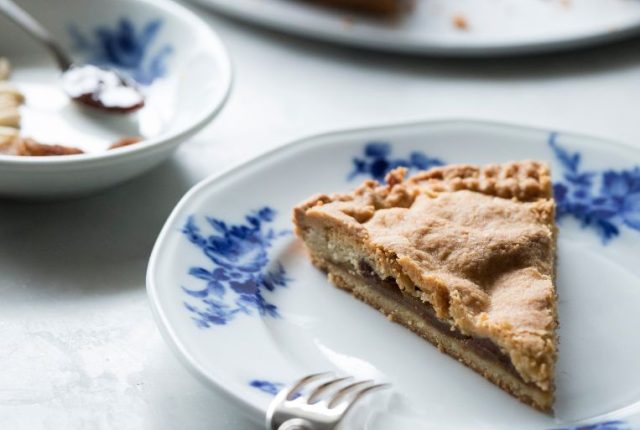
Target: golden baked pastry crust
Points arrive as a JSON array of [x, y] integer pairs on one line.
[[475, 243]]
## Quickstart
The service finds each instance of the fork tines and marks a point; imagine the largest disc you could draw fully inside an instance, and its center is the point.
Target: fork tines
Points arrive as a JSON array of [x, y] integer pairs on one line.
[[317, 402]]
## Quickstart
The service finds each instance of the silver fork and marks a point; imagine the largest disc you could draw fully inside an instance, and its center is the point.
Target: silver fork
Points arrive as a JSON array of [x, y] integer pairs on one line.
[[320, 409]]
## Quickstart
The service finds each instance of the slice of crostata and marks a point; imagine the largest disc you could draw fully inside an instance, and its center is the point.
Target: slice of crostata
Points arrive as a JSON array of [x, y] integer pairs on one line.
[[462, 255]]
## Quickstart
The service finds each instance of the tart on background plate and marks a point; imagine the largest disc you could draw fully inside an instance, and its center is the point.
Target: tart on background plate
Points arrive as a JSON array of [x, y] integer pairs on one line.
[[379, 7]]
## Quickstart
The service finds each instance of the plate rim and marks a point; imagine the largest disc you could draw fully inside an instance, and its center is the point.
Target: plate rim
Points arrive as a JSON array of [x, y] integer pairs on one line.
[[162, 321], [318, 33]]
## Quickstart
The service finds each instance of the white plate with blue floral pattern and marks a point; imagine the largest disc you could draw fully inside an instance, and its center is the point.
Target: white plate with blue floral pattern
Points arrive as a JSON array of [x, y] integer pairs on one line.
[[241, 305], [179, 62], [505, 27]]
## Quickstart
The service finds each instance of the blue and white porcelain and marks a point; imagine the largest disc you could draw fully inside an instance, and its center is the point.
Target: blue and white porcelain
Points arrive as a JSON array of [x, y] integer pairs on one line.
[[240, 304], [179, 62], [506, 27]]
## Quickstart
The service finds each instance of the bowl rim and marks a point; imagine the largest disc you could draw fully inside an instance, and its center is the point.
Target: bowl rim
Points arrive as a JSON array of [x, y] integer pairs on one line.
[[165, 139]]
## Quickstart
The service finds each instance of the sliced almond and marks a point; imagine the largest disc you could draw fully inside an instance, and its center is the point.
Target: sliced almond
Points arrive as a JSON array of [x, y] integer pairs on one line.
[[9, 101], [8, 132], [27, 146], [8, 138], [10, 117], [7, 90]]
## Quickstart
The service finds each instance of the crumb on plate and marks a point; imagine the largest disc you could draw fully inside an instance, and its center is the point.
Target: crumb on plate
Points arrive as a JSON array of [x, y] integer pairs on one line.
[[566, 3], [460, 22]]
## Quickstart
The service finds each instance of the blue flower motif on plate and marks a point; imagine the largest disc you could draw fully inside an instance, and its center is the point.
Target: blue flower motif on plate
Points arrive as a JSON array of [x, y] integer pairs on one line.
[[606, 425], [239, 273], [602, 200], [268, 387], [125, 48], [377, 161]]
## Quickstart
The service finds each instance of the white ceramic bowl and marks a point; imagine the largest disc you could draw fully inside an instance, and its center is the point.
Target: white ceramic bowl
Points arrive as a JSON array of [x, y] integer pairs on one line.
[[179, 61]]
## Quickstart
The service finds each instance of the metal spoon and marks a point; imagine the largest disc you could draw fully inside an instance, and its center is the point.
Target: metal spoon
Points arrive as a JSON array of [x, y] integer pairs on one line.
[[97, 87]]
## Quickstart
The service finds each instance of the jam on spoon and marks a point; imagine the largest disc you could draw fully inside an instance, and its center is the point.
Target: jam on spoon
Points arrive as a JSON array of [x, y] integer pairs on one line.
[[98, 87], [101, 88]]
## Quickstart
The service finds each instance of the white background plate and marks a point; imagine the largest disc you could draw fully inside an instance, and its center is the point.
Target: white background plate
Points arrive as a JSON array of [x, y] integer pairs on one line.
[[321, 328], [496, 27]]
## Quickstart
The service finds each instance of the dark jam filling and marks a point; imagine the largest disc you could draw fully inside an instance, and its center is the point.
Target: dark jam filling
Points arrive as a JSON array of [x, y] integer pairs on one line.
[[482, 346]]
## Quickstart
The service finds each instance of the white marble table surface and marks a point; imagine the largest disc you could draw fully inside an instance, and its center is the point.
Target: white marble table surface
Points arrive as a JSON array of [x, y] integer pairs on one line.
[[78, 346]]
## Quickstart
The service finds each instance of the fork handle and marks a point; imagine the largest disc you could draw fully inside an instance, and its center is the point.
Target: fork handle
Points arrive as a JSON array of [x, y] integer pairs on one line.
[[296, 424]]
